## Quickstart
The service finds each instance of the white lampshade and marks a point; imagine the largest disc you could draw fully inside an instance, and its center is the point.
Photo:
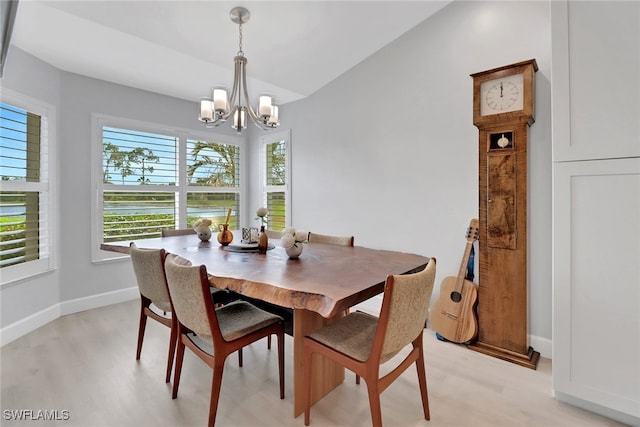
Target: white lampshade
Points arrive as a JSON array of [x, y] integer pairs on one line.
[[239, 119], [220, 102], [264, 108], [273, 120], [206, 110]]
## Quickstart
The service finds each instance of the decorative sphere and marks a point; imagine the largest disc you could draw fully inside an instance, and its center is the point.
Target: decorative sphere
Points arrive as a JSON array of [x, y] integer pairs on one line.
[[204, 233]]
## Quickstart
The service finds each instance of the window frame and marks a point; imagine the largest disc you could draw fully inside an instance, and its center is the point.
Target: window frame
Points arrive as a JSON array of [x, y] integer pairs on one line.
[[99, 121], [264, 140], [47, 233]]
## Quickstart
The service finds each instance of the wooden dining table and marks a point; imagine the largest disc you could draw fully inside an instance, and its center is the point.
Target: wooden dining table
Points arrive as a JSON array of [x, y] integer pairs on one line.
[[319, 286]]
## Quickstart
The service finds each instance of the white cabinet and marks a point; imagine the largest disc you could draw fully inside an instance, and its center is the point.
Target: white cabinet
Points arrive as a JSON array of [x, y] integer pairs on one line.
[[595, 79], [596, 325], [596, 206]]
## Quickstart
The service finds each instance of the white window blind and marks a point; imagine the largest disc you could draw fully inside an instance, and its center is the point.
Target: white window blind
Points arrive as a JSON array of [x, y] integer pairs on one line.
[[213, 178], [139, 173], [24, 197], [275, 160], [153, 178]]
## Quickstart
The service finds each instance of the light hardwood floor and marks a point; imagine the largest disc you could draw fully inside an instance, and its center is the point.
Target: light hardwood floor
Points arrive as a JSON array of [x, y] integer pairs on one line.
[[85, 364]]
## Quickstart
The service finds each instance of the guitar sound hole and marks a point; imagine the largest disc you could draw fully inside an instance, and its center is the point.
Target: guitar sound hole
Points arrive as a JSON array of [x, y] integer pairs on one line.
[[456, 296]]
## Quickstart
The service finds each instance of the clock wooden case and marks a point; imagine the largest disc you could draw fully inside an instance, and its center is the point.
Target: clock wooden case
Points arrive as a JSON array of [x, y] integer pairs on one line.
[[503, 110]]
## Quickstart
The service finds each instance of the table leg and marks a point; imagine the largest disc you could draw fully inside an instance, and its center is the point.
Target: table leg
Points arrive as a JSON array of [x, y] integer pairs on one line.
[[326, 375]]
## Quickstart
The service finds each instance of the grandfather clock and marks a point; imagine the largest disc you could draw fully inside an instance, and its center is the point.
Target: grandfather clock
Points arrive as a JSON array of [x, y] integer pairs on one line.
[[503, 110]]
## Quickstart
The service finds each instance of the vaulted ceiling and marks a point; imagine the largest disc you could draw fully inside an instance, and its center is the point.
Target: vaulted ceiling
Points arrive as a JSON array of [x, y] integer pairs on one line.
[[184, 48]]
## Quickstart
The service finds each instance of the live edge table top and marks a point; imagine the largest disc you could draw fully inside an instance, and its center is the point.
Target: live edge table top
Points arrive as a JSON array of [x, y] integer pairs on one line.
[[326, 279]]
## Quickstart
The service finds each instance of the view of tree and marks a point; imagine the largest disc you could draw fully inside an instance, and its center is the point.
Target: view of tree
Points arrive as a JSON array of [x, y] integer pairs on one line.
[[112, 159], [141, 156], [276, 164], [212, 164], [127, 162]]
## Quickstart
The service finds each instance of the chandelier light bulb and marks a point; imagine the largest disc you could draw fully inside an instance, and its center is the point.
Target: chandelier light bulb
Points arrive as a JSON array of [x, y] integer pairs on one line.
[[220, 101], [239, 119], [264, 108], [206, 111], [273, 120]]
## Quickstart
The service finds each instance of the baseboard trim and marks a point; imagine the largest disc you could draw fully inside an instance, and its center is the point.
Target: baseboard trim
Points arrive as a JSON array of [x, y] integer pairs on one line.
[[622, 417], [544, 346], [30, 323], [100, 300]]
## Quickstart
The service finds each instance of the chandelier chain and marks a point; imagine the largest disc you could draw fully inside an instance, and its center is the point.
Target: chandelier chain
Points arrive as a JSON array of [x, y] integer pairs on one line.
[[240, 52]]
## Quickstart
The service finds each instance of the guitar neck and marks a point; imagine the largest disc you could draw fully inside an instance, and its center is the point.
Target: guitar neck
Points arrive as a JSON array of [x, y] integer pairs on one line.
[[463, 266]]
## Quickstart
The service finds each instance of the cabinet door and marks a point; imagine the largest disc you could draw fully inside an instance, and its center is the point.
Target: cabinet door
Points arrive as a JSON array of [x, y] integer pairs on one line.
[[596, 283], [596, 89]]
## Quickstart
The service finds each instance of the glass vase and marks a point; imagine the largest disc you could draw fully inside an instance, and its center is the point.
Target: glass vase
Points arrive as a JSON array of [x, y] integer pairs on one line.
[[225, 236], [263, 241]]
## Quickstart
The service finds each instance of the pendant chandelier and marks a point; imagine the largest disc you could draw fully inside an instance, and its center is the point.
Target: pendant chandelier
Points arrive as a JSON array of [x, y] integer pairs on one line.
[[216, 110]]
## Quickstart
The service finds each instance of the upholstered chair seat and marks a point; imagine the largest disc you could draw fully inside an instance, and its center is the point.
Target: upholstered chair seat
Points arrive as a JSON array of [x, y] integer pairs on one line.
[[240, 318], [353, 336]]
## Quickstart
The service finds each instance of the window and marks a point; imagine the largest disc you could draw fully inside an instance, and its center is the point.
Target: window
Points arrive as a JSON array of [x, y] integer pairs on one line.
[[152, 178], [275, 177], [216, 165], [25, 210], [138, 181]]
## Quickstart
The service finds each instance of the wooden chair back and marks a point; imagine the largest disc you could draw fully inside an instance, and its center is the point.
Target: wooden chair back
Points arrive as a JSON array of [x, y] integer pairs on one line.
[[191, 297], [168, 232], [273, 234], [334, 240], [148, 266], [361, 342], [405, 306], [239, 325]]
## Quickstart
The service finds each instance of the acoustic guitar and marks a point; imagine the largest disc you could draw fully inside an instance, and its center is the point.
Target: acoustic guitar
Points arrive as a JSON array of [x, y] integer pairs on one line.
[[454, 315]]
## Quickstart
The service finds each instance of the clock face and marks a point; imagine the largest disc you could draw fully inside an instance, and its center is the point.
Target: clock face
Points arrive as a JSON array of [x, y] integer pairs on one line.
[[502, 95]]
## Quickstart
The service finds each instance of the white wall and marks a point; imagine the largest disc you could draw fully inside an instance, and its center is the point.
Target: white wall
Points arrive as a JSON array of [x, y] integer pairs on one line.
[[398, 174], [80, 277], [388, 151], [41, 294], [78, 283]]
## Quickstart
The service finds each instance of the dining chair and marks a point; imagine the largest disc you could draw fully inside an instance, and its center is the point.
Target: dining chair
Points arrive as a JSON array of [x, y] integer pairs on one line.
[[220, 296], [167, 232], [326, 238], [228, 328], [225, 297], [362, 343], [273, 234], [148, 266]]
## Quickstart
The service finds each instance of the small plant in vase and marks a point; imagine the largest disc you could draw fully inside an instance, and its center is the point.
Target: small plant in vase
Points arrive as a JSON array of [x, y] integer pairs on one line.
[[262, 214], [292, 241]]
